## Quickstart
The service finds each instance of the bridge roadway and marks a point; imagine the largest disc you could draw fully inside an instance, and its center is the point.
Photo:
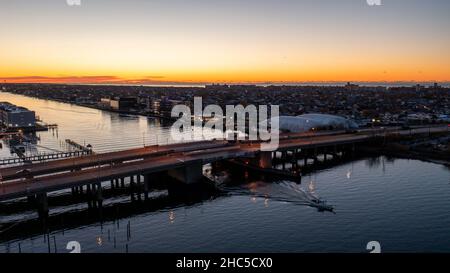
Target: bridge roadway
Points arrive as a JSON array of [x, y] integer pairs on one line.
[[96, 160], [156, 163], [150, 160]]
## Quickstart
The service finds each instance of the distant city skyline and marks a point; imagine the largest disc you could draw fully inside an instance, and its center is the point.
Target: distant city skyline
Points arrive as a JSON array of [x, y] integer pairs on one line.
[[245, 41]]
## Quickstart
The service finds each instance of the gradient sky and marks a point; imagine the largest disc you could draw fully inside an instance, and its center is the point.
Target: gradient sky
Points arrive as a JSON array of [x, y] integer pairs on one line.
[[156, 41]]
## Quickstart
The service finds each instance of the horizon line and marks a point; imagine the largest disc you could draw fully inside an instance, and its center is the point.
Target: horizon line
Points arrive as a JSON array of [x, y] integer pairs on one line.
[[159, 80], [231, 83]]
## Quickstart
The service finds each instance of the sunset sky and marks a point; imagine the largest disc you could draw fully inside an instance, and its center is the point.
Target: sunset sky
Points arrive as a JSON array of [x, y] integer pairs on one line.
[[190, 41]]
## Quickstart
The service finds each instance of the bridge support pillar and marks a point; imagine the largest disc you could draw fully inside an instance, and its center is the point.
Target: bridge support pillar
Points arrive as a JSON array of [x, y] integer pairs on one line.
[[89, 196], [294, 162], [98, 196], [265, 160], [139, 187], [42, 203], [31, 199], [132, 187], [316, 160], [190, 174], [146, 185]]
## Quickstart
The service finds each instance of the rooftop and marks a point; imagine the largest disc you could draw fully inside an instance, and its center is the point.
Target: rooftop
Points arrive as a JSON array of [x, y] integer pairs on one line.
[[8, 107]]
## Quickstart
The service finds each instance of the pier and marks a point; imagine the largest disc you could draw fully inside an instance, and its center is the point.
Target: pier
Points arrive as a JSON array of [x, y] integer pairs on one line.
[[77, 146], [42, 157]]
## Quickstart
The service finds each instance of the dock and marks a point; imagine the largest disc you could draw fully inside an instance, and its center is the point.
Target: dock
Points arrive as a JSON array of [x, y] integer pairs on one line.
[[42, 157]]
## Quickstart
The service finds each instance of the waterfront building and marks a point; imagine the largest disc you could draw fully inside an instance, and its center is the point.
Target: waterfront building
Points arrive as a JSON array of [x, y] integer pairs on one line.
[[123, 103], [12, 116], [163, 107], [105, 102]]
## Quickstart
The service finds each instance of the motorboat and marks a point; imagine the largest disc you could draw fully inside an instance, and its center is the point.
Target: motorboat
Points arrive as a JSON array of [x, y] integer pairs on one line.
[[310, 198], [321, 205]]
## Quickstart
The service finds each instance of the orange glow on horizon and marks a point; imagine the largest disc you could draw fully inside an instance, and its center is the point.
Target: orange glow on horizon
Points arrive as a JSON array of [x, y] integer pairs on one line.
[[174, 60], [112, 61], [243, 77]]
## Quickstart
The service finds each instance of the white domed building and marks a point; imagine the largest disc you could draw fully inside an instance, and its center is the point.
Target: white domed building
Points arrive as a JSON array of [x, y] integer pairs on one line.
[[307, 122]]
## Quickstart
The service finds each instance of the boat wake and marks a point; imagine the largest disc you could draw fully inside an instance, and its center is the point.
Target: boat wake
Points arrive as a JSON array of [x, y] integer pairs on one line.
[[283, 191]]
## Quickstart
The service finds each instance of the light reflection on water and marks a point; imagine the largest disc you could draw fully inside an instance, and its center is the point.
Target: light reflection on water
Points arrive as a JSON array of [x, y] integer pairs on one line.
[[105, 131], [403, 204]]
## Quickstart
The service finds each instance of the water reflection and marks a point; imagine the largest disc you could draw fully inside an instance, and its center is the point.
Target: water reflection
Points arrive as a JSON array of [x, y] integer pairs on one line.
[[104, 130], [311, 186], [171, 217], [349, 174], [115, 212], [99, 240]]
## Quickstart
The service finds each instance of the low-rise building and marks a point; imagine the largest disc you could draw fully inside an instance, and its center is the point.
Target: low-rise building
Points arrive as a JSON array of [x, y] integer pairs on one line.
[[12, 116], [123, 103]]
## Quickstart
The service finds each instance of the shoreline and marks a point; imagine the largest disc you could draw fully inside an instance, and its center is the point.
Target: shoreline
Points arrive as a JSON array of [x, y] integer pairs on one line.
[[91, 106], [124, 112]]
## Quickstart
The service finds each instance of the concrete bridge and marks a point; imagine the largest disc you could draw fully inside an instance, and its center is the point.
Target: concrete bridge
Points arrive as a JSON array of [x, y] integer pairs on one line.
[[184, 162]]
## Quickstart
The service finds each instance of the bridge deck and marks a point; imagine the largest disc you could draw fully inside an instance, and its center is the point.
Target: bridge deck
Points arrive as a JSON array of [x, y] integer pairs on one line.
[[157, 163], [150, 159], [100, 159], [56, 182]]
